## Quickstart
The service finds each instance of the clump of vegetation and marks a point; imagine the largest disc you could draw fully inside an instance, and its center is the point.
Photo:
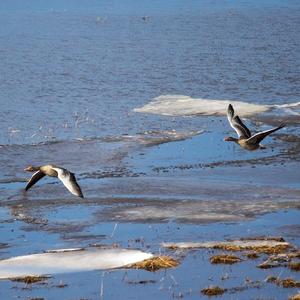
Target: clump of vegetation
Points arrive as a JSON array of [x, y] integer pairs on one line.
[[268, 249], [213, 291], [295, 297], [30, 279], [295, 266], [289, 283], [264, 238], [295, 254], [252, 255], [272, 245], [272, 279], [268, 265], [286, 283], [224, 259], [155, 263]]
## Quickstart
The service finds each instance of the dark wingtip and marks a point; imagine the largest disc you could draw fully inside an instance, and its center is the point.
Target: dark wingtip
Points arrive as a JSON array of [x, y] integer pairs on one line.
[[230, 110], [282, 125]]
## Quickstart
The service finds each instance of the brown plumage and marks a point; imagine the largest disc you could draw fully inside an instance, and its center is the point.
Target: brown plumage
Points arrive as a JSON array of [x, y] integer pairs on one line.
[[245, 139], [67, 177]]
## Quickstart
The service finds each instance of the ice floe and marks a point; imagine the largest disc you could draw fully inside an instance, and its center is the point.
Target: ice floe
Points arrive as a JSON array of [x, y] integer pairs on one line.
[[69, 260], [181, 105]]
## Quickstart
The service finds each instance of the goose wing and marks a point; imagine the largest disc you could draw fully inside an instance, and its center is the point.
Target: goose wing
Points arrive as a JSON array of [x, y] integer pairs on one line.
[[237, 124], [258, 137], [34, 179], [69, 181]]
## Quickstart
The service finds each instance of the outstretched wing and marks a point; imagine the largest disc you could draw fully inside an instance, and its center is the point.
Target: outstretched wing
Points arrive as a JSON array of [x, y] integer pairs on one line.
[[69, 181], [258, 137], [237, 124], [34, 179]]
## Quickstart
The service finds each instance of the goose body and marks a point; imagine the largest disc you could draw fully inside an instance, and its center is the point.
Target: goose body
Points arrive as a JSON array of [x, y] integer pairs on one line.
[[66, 177], [245, 139]]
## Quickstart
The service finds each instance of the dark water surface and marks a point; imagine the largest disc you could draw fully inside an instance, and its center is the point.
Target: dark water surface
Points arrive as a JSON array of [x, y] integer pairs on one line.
[[71, 75]]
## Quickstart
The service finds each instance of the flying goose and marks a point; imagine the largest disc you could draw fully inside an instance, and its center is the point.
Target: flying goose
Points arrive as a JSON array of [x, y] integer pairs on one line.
[[245, 139], [67, 178]]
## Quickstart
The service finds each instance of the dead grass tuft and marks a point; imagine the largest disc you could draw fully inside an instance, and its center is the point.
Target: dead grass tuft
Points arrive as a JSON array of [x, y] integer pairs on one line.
[[252, 255], [155, 263], [270, 249], [272, 279], [224, 259], [286, 283], [30, 279], [295, 266], [267, 265], [295, 297], [264, 238], [289, 283], [265, 245], [213, 291]]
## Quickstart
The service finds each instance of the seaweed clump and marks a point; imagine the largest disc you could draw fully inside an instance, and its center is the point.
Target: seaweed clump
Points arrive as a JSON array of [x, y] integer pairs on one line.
[[224, 259], [213, 291], [155, 263]]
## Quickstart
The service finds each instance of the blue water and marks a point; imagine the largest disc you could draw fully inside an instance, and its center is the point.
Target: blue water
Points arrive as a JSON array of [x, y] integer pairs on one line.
[[76, 69], [71, 73]]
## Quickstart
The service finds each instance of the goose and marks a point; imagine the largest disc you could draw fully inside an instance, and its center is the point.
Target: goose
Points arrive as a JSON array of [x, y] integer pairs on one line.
[[245, 139], [67, 177]]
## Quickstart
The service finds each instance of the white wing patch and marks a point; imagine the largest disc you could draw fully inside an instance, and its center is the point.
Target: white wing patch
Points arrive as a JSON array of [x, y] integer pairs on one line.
[[68, 180]]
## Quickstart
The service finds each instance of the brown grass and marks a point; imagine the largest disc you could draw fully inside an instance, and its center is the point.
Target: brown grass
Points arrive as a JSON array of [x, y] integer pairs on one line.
[[286, 283], [252, 255], [295, 266], [295, 254], [289, 283], [267, 265], [30, 279], [258, 249], [295, 297], [224, 259], [268, 245], [213, 291], [264, 238], [272, 279], [155, 263]]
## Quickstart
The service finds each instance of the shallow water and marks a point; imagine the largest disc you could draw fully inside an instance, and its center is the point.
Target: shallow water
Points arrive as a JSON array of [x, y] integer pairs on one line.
[[74, 77]]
